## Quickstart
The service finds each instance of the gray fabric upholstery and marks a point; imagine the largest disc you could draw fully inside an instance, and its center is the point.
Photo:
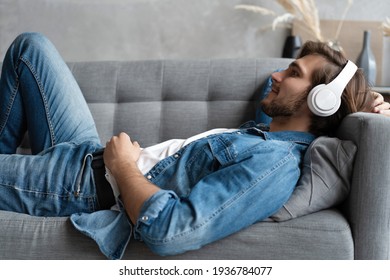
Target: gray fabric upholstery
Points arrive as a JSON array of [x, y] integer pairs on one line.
[[325, 180], [157, 100], [368, 205], [145, 98], [25, 237]]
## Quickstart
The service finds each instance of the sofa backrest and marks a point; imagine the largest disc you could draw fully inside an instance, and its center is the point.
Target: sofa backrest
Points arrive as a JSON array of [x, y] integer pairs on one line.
[[158, 100]]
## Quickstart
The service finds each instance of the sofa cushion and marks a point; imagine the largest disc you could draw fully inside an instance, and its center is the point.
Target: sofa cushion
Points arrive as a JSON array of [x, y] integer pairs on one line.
[[41, 238], [325, 179]]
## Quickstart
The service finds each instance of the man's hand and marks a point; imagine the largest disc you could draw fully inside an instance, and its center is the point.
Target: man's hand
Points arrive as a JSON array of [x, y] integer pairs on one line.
[[380, 105], [120, 152], [120, 157]]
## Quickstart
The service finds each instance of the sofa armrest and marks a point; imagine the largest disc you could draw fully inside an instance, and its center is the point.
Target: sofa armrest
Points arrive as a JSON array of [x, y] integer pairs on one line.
[[368, 205]]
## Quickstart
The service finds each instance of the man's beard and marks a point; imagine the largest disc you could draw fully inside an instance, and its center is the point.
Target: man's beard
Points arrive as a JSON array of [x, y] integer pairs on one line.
[[275, 109]]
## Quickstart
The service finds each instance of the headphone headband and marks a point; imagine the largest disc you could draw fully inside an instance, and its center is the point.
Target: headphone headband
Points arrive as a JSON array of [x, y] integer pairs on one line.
[[340, 82]]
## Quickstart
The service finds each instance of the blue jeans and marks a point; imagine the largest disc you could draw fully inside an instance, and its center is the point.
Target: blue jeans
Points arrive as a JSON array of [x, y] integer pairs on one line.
[[39, 94]]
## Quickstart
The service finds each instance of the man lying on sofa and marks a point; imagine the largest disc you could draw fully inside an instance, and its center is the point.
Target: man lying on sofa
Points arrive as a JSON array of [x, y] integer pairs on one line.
[[175, 196]]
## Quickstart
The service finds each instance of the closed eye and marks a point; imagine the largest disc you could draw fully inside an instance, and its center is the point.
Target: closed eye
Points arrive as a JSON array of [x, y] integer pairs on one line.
[[294, 69], [293, 73]]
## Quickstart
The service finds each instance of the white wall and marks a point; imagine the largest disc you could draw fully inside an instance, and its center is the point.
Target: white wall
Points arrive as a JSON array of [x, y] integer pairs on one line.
[[149, 29]]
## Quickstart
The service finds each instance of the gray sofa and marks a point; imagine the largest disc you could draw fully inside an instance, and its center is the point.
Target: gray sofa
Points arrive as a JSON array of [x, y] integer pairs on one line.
[[158, 100]]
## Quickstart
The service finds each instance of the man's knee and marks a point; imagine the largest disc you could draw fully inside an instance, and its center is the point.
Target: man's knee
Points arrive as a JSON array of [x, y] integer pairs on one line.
[[26, 41], [29, 38]]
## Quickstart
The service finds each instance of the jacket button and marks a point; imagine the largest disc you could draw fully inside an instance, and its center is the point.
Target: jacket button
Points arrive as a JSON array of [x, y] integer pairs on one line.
[[144, 218], [149, 177], [176, 155]]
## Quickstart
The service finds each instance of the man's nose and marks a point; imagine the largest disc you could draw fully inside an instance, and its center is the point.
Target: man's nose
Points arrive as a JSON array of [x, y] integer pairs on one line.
[[277, 76]]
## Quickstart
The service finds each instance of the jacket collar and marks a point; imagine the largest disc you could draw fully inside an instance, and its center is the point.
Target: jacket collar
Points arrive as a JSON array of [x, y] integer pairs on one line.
[[287, 135]]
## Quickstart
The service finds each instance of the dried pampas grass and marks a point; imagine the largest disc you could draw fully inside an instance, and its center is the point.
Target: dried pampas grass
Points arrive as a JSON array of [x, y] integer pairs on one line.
[[304, 12], [386, 27], [308, 14], [255, 9], [284, 19]]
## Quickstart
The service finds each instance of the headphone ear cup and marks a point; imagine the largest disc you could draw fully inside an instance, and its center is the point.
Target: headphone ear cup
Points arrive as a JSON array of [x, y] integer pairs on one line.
[[322, 101]]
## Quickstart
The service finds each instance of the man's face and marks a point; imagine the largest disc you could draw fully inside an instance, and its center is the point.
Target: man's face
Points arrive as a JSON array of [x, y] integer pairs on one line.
[[288, 96]]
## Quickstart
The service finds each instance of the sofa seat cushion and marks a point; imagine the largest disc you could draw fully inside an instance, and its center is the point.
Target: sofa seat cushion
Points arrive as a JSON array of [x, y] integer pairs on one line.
[[322, 235]]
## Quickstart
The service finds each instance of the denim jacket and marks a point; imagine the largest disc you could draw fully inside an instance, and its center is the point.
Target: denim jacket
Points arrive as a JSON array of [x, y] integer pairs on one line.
[[211, 188]]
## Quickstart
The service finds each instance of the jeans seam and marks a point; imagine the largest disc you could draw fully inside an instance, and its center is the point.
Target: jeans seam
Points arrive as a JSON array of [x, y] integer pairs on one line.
[[9, 107], [43, 96]]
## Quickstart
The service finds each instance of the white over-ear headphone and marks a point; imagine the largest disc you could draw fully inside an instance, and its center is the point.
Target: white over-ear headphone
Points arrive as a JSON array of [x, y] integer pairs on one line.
[[324, 100]]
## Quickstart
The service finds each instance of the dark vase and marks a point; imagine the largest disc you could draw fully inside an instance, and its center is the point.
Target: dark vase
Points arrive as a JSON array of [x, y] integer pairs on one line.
[[292, 45], [366, 59]]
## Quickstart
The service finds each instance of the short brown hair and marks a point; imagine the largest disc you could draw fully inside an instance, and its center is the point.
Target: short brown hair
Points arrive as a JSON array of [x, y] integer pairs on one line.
[[356, 96]]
